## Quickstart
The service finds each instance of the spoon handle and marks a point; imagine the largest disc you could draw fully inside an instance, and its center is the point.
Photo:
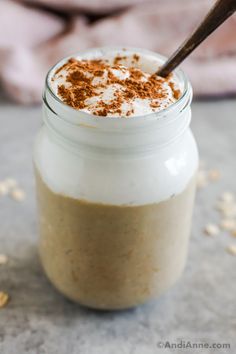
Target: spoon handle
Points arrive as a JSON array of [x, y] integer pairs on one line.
[[215, 17]]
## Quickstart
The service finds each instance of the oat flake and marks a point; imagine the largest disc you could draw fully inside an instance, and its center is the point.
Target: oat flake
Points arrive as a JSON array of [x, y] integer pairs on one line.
[[3, 259], [4, 298], [211, 229], [232, 250]]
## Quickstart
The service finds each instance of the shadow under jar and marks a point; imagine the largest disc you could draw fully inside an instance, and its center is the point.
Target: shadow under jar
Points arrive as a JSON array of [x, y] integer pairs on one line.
[[115, 197]]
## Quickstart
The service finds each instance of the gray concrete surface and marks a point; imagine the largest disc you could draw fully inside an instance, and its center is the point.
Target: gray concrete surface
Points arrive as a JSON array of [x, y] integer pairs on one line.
[[200, 308]]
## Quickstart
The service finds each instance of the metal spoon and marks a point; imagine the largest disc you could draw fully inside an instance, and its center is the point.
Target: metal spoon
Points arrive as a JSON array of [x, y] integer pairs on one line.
[[215, 17]]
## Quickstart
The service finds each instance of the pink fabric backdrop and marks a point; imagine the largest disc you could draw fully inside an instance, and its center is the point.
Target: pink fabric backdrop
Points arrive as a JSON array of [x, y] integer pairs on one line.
[[32, 39]]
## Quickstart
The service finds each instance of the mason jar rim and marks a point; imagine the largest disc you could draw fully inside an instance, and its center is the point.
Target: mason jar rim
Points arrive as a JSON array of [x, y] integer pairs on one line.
[[89, 120]]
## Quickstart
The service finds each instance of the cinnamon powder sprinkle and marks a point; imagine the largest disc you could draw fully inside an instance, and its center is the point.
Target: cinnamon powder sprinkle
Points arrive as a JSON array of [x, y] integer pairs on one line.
[[176, 92], [136, 57], [86, 79], [118, 59]]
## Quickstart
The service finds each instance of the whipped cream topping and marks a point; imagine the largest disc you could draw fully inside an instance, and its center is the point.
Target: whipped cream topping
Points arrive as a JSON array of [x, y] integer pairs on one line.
[[108, 88]]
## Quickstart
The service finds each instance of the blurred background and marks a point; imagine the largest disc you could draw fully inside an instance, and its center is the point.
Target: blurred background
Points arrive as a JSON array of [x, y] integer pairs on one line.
[[34, 34]]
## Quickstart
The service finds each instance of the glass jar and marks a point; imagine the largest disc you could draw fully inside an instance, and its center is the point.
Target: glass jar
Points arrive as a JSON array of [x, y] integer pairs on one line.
[[115, 197]]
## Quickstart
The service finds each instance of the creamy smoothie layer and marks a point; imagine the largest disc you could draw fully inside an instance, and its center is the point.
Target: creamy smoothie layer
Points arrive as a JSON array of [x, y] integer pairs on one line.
[[113, 87], [113, 257]]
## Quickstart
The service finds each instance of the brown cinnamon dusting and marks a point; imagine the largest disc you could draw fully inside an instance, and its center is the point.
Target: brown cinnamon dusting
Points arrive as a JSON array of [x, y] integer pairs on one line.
[[80, 76], [118, 59], [176, 92], [136, 57]]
